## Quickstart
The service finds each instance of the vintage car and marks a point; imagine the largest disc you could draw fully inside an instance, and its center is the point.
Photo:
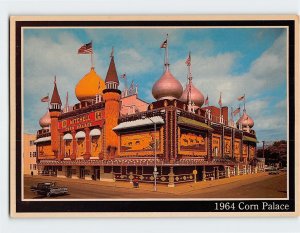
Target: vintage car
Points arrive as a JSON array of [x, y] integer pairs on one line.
[[274, 171], [48, 189]]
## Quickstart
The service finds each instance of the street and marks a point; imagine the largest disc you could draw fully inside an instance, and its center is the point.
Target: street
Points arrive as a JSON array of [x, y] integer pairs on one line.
[[261, 185]]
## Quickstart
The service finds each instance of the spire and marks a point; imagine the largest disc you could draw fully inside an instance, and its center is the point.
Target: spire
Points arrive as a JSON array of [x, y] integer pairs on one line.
[[66, 108], [55, 96], [112, 80]]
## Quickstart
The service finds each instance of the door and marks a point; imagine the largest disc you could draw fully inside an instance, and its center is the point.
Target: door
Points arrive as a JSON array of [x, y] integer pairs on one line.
[[82, 173]]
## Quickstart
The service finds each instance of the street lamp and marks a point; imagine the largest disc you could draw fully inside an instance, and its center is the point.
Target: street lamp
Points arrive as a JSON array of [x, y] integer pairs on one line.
[[155, 173]]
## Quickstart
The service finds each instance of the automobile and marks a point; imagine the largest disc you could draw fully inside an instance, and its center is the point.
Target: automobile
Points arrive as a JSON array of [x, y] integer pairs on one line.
[[48, 189], [274, 172], [284, 169]]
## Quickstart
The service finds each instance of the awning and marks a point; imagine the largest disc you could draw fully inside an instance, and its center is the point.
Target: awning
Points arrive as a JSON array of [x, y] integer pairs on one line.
[[80, 134], [44, 139], [249, 139], [67, 136], [140, 122], [193, 123], [95, 132]]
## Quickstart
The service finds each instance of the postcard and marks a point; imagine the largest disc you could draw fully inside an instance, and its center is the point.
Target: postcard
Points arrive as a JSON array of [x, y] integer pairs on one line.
[[156, 116]]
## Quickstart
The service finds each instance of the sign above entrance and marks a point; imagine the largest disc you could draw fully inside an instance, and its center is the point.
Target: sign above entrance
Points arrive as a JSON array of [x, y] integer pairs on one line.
[[82, 121]]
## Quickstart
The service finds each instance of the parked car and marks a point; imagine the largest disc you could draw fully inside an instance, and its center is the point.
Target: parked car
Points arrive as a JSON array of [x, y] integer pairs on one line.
[[48, 189], [274, 172]]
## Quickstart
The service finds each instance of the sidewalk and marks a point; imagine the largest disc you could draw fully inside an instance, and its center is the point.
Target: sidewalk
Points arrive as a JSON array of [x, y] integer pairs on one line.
[[179, 189]]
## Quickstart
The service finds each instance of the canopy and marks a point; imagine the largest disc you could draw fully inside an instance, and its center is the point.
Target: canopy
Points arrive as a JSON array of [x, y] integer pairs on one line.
[[140, 122], [80, 134], [67, 136], [95, 132], [44, 139], [249, 139], [193, 123]]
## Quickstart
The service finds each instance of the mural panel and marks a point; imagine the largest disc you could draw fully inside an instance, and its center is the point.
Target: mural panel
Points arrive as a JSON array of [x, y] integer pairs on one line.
[[227, 146], [245, 150], [96, 146], [80, 147], [237, 147], [252, 151], [45, 151], [141, 143], [68, 148], [216, 145], [192, 141]]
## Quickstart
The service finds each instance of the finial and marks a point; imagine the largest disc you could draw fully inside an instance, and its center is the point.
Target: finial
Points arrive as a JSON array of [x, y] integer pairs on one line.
[[54, 79]]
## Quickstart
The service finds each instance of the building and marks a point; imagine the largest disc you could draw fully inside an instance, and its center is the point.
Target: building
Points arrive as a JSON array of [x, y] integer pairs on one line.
[[112, 135], [29, 155]]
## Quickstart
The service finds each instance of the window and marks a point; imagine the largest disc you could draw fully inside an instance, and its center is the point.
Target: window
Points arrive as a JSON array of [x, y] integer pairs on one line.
[[30, 154]]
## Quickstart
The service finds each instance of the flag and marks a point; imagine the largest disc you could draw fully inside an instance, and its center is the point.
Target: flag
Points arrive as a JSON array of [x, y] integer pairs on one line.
[[220, 100], [188, 60], [237, 111], [45, 99], [206, 100], [123, 76], [164, 44], [86, 48], [241, 98]]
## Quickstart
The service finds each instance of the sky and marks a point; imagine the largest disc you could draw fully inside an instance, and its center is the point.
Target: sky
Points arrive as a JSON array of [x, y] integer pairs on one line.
[[233, 61]]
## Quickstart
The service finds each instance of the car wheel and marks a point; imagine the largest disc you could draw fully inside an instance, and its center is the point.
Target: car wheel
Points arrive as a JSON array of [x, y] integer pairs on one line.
[[48, 194]]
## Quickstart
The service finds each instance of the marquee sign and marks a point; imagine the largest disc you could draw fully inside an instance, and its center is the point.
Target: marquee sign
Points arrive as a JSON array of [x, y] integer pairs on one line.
[[82, 121]]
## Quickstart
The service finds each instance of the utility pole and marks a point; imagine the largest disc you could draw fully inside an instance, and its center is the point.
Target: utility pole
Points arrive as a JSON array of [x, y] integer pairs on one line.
[[263, 155]]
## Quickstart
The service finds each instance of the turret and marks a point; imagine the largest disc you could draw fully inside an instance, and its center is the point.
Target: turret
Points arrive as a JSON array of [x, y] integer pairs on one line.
[[55, 111], [111, 96]]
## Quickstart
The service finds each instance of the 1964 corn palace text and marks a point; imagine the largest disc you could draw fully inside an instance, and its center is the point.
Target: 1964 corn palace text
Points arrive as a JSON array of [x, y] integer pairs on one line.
[[242, 206]]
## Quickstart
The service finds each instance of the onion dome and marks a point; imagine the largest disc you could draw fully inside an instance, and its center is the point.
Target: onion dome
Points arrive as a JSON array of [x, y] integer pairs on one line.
[[167, 87], [245, 120], [45, 120], [89, 86], [196, 95]]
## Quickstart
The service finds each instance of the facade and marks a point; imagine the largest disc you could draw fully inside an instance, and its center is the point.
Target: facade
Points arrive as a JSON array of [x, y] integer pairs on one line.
[[29, 155], [112, 135]]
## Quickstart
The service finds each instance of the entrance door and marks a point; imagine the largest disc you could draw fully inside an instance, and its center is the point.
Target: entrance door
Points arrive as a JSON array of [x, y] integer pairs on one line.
[[82, 173], [97, 173], [69, 172]]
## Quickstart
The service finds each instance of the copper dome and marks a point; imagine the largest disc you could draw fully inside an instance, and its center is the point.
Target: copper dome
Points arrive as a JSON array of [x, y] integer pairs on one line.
[[45, 120], [196, 95], [245, 120], [167, 87]]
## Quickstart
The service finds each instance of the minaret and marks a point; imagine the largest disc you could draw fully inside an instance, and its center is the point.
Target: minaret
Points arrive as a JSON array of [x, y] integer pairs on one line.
[[111, 96], [55, 111]]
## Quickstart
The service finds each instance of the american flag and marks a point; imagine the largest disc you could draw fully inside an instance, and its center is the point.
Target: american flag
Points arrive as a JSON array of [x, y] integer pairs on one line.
[[45, 99], [206, 100], [241, 97], [220, 100], [164, 44], [86, 48], [188, 60], [237, 111]]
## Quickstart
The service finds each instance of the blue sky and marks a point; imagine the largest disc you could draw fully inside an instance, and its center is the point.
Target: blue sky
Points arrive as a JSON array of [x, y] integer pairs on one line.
[[231, 60]]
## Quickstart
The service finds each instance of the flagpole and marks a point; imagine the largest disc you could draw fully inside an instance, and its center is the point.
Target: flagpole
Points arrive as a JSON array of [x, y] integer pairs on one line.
[[92, 55], [167, 54], [48, 101], [244, 102]]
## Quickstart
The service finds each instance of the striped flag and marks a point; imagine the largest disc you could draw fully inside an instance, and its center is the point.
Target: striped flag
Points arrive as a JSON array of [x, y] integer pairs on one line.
[[220, 100], [123, 76], [164, 44], [237, 111], [241, 98], [188, 60], [45, 99], [86, 48], [206, 101]]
